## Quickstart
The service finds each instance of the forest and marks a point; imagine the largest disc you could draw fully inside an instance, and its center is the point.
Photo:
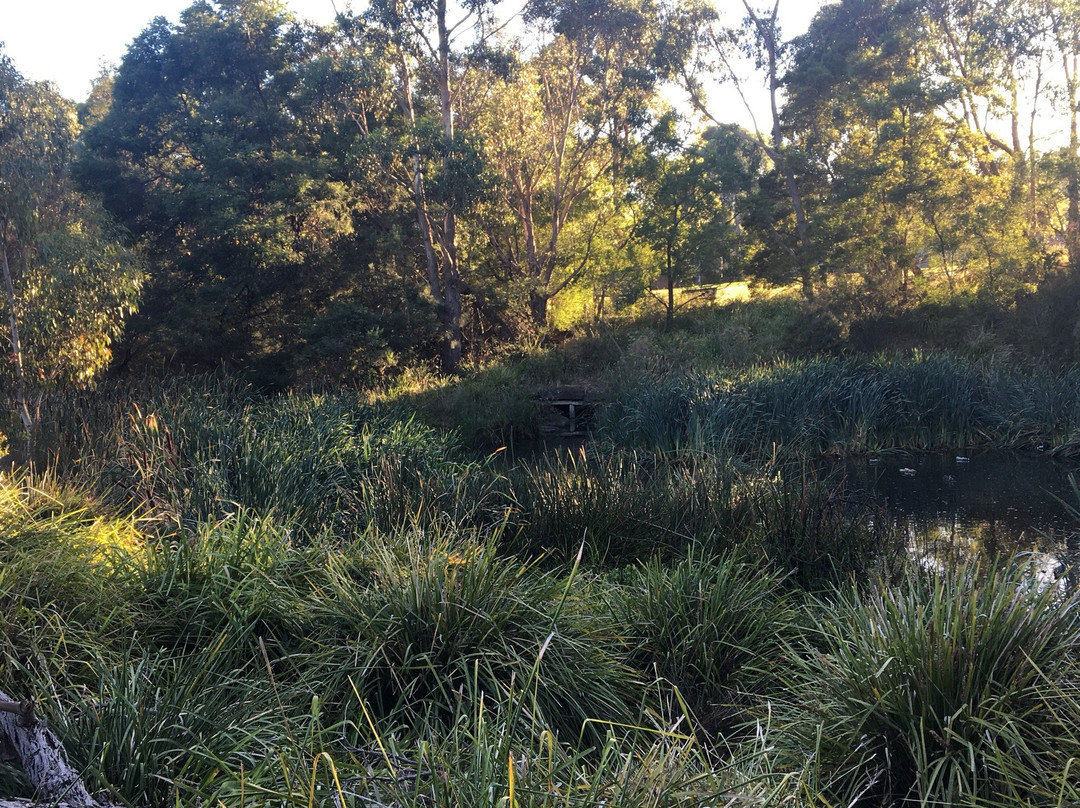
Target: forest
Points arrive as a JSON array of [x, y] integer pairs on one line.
[[469, 405]]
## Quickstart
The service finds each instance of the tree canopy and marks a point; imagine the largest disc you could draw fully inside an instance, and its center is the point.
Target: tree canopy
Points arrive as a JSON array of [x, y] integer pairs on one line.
[[419, 181]]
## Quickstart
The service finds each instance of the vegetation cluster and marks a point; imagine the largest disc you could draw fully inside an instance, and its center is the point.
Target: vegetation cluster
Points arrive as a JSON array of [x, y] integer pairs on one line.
[[282, 302], [322, 598]]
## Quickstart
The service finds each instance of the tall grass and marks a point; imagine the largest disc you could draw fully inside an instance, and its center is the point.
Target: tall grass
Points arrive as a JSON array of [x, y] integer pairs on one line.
[[323, 464], [620, 506], [713, 628], [316, 600], [434, 614], [830, 405], [946, 690]]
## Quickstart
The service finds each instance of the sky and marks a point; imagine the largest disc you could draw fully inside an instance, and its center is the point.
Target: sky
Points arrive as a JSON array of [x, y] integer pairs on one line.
[[68, 41]]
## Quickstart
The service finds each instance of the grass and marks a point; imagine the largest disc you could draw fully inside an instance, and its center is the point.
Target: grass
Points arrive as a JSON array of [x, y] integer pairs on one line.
[[426, 664], [219, 598], [711, 627], [853, 405], [945, 690]]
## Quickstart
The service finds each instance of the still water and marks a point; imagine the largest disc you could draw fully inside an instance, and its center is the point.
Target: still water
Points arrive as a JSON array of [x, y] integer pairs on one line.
[[951, 507]]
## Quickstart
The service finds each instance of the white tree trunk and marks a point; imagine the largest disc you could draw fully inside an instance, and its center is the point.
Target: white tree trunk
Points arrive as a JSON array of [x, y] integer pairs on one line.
[[24, 737]]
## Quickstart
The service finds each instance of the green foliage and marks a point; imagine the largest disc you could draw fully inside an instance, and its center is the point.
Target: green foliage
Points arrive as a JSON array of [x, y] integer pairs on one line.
[[441, 618], [257, 204], [953, 688], [713, 628], [63, 562], [69, 283], [207, 450]]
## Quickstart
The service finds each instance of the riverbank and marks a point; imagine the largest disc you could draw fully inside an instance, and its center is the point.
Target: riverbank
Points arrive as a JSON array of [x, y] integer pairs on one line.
[[308, 598]]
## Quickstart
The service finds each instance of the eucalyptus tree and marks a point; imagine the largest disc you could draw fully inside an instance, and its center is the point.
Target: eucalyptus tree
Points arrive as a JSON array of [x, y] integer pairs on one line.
[[558, 132], [68, 280], [433, 47], [700, 48], [994, 54], [1064, 44], [898, 176]]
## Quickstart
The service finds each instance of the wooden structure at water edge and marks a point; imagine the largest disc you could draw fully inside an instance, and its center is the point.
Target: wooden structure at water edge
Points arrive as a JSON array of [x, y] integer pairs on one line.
[[568, 411]]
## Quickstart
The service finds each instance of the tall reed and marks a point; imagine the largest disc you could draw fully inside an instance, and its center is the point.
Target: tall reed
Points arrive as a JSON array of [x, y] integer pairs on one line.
[[920, 401]]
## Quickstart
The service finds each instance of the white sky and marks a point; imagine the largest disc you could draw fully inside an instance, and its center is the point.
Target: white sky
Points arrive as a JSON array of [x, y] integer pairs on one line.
[[67, 41]]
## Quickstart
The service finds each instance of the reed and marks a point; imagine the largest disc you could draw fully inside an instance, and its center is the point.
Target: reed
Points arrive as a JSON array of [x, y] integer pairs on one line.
[[852, 405]]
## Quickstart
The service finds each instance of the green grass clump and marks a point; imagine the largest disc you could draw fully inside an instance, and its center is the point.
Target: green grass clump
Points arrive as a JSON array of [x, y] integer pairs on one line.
[[426, 617], [949, 689], [713, 628], [63, 559]]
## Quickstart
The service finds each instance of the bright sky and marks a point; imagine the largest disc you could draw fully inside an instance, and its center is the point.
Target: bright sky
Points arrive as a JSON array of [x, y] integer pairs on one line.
[[67, 41]]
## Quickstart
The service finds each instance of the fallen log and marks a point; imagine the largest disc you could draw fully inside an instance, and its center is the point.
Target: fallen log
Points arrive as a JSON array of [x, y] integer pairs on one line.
[[25, 739]]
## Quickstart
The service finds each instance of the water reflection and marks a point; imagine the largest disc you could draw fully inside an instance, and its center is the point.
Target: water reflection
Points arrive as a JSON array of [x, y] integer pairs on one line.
[[952, 507]]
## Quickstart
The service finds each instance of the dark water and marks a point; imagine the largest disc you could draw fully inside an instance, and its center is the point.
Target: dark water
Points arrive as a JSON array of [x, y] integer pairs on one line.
[[990, 504]]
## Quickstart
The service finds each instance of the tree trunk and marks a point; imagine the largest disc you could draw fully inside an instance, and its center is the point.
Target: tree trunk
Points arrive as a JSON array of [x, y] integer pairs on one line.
[[42, 757], [450, 320], [538, 307], [670, 289], [1072, 226], [440, 243]]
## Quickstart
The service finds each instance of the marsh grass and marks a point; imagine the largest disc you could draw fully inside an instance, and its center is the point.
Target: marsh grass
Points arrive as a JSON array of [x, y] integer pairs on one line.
[[713, 628], [620, 506], [944, 690], [431, 615], [316, 600], [853, 405], [326, 465]]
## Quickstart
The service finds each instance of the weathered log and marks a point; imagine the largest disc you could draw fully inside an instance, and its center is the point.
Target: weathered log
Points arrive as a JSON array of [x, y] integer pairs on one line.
[[42, 757]]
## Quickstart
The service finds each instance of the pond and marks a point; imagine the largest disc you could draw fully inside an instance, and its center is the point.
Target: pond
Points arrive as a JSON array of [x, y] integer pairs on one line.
[[952, 506]]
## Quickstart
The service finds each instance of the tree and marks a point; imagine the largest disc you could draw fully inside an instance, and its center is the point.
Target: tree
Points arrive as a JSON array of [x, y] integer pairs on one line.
[[559, 132], [442, 166], [1064, 16], [897, 175], [704, 48], [217, 156], [684, 211], [68, 281]]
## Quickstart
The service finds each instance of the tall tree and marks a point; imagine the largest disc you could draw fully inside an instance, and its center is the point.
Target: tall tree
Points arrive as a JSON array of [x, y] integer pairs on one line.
[[1064, 16], [560, 132], [210, 156], [706, 49], [68, 282], [427, 40], [899, 177]]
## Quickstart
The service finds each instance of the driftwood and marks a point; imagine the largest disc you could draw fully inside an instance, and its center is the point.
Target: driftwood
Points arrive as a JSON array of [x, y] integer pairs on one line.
[[25, 739]]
